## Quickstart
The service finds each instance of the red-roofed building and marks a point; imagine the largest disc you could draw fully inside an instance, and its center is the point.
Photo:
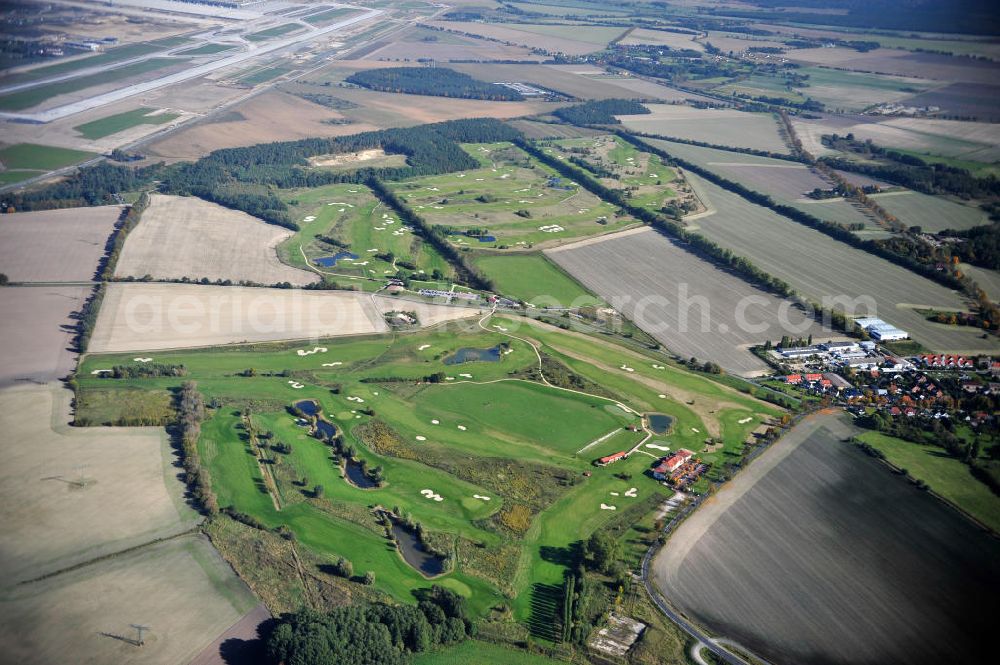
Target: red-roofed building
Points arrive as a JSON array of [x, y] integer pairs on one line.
[[670, 464], [611, 459], [811, 378], [793, 378]]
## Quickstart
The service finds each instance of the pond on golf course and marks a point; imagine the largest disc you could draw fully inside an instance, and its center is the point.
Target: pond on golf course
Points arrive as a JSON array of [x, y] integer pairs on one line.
[[468, 354], [356, 476], [659, 422], [414, 552], [330, 261]]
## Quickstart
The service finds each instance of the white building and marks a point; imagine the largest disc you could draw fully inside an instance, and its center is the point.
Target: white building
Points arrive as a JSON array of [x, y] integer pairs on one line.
[[880, 330]]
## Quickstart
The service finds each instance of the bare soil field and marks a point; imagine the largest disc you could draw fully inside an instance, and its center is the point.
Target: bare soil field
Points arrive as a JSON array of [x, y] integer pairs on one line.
[[243, 631], [36, 332], [181, 589], [81, 493], [819, 267], [719, 126], [674, 40], [149, 316], [265, 119], [184, 236], [966, 99], [901, 63], [687, 304], [55, 245], [817, 553], [566, 40]]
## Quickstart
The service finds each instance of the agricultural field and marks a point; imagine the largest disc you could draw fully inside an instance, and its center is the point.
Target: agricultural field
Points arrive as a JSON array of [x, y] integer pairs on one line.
[[520, 203], [895, 62], [820, 267], [673, 40], [112, 124], [931, 213], [945, 475], [881, 571], [976, 100], [532, 278], [568, 39], [27, 160], [55, 245], [369, 239], [443, 46], [479, 432], [186, 237], [719, 126], [146, 316], [684, 302], [37, 330]]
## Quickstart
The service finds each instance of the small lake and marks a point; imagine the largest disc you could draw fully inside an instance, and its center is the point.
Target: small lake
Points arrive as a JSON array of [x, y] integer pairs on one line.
[[659, 422], [309, 407], [486, 238], [325, 429], [414, 552], [330, 261], [356, 476], [469, 354]]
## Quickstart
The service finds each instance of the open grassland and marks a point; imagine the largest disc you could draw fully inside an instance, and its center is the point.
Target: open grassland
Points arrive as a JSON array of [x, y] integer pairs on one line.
[[443, 46], [207, 49], [184, 236], [479, 431], [29, 159], [124, 52], [36, 332], [931, 213], [520, 202], [270, 33], [55, 245], [473, 651], [146, 316], [532, 278], [24, 99], [945, 475], [181, 589], [568, 39], [818, 553], [112, 124], [719, 126], [352, 217], [81, 493], [820, 267], [687, 304]]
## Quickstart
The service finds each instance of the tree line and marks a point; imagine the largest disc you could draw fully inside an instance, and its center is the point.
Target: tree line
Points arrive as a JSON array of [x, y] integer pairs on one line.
[[601, 112], [435, 81]]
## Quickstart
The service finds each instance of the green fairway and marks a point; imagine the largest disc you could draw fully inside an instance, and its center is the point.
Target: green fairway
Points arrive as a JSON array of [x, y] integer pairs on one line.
[[113, 124], [944, 474], [31, 156], [519, 202], [534, 279], [23, 99]]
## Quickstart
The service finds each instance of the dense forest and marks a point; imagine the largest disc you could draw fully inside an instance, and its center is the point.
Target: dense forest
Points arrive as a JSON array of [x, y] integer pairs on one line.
[[981, 246], [601, 112], [436, 81], [377, 633], [909, 170]]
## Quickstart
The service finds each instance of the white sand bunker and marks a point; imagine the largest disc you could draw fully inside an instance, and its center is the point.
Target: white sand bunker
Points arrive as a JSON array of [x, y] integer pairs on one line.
[[102, 371], [657, 446], [655, 366], [632, 492], [431, 494], [551, 228], [696, 430], [605, 506], [143, 360], [435, 422], [421, 438], [333, 364], [744, 421], [449, 378], [481, 497], [310, 218], [662, 396], [465, 376], [423, 347], [296, 385], [499, 327], [627, 368], [355, 399], [462, 427], [318, 349], [613, 493]]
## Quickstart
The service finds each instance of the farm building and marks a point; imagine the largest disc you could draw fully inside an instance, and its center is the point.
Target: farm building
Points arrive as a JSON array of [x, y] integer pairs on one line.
[[670, 464], [611, 459], [841, 347], [800, 351]]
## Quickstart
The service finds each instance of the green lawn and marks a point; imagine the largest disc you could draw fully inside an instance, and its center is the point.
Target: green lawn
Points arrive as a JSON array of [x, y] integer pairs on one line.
[[23, 99], [207, 49], [535, 279], [258, 76], [33, 156], [276, 31], [944, 474], [113, 124]]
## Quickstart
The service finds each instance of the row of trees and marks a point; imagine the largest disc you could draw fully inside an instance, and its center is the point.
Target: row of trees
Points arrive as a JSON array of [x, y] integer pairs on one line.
[[377, 633], [130, 218], [190, 413], [436, 81]]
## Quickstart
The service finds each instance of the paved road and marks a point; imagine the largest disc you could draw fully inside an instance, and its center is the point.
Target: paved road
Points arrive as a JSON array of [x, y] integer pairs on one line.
[[186, 75]]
